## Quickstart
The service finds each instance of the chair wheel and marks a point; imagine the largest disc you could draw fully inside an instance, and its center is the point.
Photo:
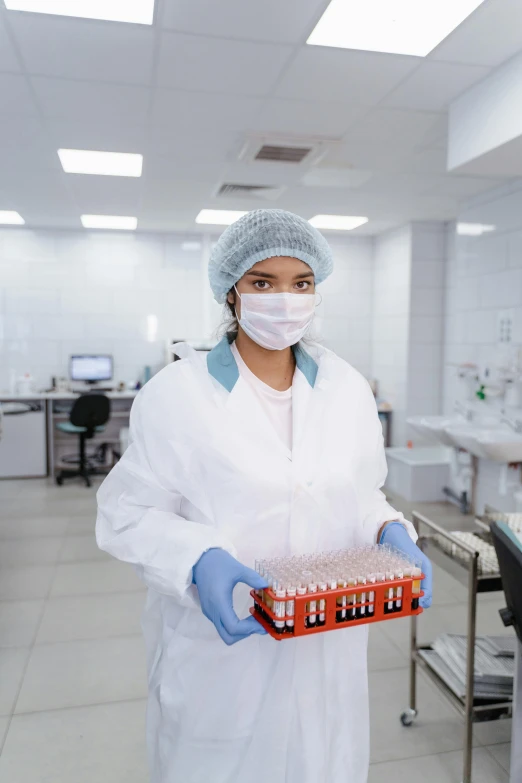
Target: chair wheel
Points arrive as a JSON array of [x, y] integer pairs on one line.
[[408, 716], [59, 480]]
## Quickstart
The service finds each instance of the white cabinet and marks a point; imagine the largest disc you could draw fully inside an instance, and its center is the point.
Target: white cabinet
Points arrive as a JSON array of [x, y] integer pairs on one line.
[[23, 445]]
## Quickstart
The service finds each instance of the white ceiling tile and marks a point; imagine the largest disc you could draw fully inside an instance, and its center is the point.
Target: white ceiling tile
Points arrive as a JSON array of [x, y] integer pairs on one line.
[[8, 59], [16, 95], [105, 195], [434, 84], [277, 21], [91, 101], [363, 78], [190, 62], [426, 161], [106, 134], [462, 187], [492, 34], [203, 145], [316, 118], [396, 128], [179, 109], [79, 49], [335, 177], [23, 141]]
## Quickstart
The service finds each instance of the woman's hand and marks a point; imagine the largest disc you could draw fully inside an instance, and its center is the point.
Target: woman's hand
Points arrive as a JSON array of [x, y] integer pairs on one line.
[[215, 575], [395, 534]]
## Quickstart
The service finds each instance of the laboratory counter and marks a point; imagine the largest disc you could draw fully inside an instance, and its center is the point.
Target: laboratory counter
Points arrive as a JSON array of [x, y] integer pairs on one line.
[[31, 445]]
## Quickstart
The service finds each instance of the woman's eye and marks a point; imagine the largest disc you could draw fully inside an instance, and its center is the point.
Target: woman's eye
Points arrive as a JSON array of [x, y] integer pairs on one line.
[[261, 284], [302, 285]]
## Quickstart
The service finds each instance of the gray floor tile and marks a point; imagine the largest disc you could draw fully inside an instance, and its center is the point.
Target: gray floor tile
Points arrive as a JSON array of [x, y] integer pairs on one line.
[[34, 551], [33, 527], [494, 732], [437, 728], [91, 617], [382, 653], [502, 754], [72, 674], [99, 577], [78, 549], [441, 768], [19, 622], [26, 582], [4, 725], [86, 744], [12, 666], [82, 525]]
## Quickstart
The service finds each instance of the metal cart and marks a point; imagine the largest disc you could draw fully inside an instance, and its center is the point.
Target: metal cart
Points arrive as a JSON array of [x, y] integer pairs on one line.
[[465, 569]]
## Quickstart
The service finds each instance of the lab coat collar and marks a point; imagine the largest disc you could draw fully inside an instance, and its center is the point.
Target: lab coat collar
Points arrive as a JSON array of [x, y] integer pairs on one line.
[[223, 367]]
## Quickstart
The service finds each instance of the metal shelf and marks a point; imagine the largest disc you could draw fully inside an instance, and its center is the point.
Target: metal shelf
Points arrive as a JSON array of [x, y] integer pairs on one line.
[[465, 569]]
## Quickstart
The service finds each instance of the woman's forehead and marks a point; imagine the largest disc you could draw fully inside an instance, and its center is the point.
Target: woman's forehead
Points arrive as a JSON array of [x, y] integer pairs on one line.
[[282, 265]]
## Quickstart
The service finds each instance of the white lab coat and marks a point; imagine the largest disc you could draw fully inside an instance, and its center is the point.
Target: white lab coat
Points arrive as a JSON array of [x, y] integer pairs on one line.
[[206, 469]]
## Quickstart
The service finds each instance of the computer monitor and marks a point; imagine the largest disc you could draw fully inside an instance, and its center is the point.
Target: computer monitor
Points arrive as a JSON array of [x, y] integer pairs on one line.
[[91, 368]]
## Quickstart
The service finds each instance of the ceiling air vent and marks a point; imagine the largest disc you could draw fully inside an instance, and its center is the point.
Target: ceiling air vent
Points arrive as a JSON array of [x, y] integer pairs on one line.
[[283, 154], [232, 189], [289, 150]]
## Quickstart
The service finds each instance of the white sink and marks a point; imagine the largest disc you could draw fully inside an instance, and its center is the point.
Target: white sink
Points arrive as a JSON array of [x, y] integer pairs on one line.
[[499, 444], [433, 428]]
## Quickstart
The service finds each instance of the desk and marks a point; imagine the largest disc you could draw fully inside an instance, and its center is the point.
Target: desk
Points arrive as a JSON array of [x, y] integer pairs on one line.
[[56, 407]]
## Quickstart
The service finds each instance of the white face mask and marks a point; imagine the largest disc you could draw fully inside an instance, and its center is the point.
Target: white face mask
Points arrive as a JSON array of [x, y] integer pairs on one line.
[[276, 321]]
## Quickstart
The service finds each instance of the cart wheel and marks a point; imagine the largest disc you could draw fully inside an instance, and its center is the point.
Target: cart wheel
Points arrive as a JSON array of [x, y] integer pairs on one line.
[[59, 480], [408, 716]]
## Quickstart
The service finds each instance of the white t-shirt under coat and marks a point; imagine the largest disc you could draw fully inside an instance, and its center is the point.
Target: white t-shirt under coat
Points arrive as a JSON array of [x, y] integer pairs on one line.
[[276, 404]]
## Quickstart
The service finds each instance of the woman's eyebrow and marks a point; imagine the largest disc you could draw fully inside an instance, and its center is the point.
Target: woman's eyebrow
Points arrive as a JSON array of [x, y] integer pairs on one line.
[[262, 274], [303, 275]]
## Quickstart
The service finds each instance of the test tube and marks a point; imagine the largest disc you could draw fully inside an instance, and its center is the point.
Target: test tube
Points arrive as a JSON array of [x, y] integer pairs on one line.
[[361, 598], [312, 605], [352, 600], [416, 572], [280, 607], [290, 608], [371, 595], [340, 615], [323, 587], [388, 606], [399, 574], [301, 590]]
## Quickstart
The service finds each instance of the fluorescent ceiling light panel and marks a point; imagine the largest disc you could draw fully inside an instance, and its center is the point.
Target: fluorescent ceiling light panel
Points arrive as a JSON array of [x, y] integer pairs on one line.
[[218, 217], [119, 222], [412, 27], [9, 218], [109, 164], [191, 246], [337, 222], [134, 11], [473, 229]]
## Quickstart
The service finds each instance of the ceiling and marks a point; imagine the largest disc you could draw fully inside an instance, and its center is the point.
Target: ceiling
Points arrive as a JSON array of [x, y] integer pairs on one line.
[[207, 77]]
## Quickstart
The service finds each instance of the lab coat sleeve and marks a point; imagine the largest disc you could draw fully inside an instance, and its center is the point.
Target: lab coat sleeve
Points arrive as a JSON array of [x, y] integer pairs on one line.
[[380, 510], [140, 518]]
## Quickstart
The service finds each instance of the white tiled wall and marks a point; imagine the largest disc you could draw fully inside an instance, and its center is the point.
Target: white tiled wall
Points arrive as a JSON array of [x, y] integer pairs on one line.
[[391, 315], [484, 278], [428, 268], [67, 292]]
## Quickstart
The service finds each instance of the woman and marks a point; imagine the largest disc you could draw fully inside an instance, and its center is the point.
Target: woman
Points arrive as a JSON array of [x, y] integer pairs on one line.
[[268, 447]]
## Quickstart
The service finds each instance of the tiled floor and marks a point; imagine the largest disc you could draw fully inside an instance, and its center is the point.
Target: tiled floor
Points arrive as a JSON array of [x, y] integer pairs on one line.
[[72, 669]]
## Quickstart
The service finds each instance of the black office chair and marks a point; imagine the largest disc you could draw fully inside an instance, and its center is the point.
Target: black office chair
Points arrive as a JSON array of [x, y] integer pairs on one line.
[[89, 415]]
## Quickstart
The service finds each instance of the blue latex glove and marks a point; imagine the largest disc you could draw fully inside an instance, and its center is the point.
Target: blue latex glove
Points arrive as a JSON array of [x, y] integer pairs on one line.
[[215, 575], [396, 535]]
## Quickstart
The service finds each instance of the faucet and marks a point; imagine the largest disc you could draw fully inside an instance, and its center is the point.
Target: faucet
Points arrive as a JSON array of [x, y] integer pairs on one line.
[[464, 410], [515, 424]]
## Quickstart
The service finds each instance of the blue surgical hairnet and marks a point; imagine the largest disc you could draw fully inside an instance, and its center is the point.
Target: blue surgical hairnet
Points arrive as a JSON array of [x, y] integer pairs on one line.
[[261, 234]]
